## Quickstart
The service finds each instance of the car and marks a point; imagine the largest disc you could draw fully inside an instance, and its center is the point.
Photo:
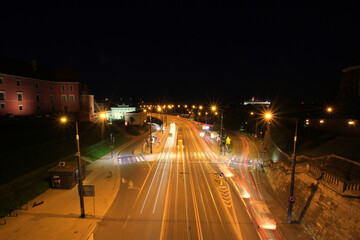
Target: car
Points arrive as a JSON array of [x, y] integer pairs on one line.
[[262, 215]]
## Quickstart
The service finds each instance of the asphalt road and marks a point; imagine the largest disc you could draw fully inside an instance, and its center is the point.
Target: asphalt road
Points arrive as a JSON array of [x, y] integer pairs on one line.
[[179, 195]]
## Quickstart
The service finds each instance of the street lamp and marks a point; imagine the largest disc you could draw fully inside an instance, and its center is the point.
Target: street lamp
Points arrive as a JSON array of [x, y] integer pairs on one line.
[[80, 186], [268, 116], [214, 108], [103, 117]]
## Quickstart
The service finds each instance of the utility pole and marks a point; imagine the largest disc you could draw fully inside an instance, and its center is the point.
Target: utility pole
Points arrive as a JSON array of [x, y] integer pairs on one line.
[[80, 187], [150, 137], [291, 197], [221, 132]]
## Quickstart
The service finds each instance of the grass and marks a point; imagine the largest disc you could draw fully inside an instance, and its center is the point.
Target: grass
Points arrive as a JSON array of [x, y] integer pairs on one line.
[[30, 149]]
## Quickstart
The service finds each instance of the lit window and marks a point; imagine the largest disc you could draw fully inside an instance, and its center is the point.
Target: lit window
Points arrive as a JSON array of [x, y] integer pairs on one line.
[[19, 96]]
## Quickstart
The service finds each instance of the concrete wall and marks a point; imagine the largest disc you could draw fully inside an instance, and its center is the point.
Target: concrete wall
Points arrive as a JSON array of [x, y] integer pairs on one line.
[[328, 207]]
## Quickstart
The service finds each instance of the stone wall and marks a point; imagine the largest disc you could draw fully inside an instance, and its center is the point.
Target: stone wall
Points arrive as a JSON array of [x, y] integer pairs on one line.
[[327, 206]]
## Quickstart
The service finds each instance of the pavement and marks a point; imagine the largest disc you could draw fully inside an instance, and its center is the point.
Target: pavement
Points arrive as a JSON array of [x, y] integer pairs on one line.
[[58, 217]]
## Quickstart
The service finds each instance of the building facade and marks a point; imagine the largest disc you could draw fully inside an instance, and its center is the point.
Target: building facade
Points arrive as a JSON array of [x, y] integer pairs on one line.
[[348, 96], [120, 111], [22, 95], [135, 118]]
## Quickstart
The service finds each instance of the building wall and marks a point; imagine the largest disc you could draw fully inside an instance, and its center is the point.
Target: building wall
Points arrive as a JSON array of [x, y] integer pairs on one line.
[[38, 96], [325, 213], [87, 107], [135, 118], [120, 111]]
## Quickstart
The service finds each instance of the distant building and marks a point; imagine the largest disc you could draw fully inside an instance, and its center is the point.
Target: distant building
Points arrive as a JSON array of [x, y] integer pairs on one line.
[[26, 89], [252, 101], [135, 118], [348, 96], [120, 111]]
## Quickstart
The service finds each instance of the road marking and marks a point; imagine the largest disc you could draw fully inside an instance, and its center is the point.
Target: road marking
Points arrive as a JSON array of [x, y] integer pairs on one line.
[[152, 181], [197, 217], [162, 178], [186, 205]]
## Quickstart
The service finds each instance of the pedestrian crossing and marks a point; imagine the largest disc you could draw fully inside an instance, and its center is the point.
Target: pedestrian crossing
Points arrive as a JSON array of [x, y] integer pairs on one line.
[[122, 160], [129, 159], [198, 156]]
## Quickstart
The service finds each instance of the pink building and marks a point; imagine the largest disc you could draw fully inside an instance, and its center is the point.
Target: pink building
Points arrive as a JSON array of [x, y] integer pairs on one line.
[[23, 94]]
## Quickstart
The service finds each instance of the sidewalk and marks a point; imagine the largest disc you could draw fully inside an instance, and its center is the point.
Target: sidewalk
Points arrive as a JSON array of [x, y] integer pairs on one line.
[[59, 216]]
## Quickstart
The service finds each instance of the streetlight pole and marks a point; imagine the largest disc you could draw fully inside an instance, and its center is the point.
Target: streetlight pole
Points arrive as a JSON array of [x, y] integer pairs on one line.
[[150, 137], [291, 197], [221, 132], [291, 200], [80, 187]]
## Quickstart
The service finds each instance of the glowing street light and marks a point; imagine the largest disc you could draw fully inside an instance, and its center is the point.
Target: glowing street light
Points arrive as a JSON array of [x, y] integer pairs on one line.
[[268, 115], [63, 119], [102, 115]]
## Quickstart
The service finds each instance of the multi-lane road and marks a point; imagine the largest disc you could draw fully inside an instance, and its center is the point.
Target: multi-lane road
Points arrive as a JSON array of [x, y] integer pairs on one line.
[[180, 194]]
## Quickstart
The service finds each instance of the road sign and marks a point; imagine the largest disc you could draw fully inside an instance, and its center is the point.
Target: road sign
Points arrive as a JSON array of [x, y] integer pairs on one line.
[[221, 175], [228, 140], [291, 199], [88, 190]]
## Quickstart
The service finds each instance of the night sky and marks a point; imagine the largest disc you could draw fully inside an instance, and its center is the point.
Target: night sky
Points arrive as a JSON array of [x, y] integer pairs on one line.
[[284, 50]]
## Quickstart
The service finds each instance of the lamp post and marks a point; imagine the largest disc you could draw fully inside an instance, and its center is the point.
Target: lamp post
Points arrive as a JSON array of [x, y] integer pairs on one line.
[[80, 186], [150, 137], [291, 197], [291, 200], [214, 108]]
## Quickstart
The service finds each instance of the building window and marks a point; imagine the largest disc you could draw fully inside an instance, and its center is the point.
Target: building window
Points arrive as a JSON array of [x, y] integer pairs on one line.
[[72, 98], [18, 82], [51, 86], [2, 105], [20, 107], [19, 96], [38, 107], [51, 98], [63, 98], [1, 80], [37, 97], [71, 87], [63, 88], [36, 84], [2, 95]]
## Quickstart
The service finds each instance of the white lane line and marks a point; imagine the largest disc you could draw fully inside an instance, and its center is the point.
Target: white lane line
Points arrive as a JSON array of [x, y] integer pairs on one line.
[[186, 205], [152, 181], [162, 178]]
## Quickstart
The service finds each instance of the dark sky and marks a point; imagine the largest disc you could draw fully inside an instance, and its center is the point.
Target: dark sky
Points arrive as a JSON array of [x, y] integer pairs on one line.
[[225, 50]]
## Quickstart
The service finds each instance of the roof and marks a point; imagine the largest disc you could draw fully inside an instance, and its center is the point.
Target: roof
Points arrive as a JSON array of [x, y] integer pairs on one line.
[[68, 167], [32, 70]]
